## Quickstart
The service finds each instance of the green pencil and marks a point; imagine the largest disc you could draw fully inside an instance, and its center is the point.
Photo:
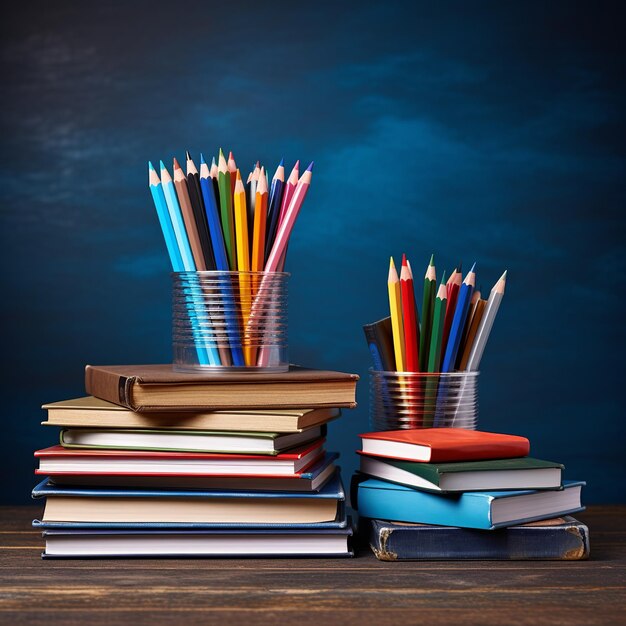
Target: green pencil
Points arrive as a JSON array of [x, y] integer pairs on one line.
[[439, 314], [226, 210], [428, 306]]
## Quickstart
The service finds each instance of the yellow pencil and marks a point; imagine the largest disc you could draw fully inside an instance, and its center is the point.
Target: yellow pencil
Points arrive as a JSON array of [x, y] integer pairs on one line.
[[395, 307], [243, 260]]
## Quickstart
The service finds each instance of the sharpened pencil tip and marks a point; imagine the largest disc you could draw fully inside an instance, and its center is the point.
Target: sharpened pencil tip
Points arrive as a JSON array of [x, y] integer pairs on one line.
[[310, 168], [432, 259], [150, 167], [282, 163], [443, 278], [213, 161], [162, 165], [202, 161], [459, 267], [473, 267], [391, 263], [221, 154], [230, 156], [238, 174], [187, 155], [403, 258], [503, 277], [177, 164], [297, 165]]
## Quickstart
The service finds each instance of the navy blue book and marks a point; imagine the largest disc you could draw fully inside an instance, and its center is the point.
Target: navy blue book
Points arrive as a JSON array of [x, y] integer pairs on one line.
[[379, 499], [79, 507], [561, 538], [117, 543]]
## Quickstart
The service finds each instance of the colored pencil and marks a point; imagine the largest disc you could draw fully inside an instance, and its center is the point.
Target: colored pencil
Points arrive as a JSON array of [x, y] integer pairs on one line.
[[243, 261], [284, 230], [180, 182], [486, 324], [199, 213], [260, 223], [273, 206], [476, 296], [479, 311], [156, 189], [409, 318], [178, 224], [288, 191], [453, 286], [428, 305], [232, 170], [214, 173], [254, 179], [458, 321], [213, 218], [395, 309], [226, 210], [439, 313]]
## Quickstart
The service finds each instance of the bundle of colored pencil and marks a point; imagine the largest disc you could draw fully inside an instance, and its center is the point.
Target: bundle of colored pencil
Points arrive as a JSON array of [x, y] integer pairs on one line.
[[212, 221], [455, 322]]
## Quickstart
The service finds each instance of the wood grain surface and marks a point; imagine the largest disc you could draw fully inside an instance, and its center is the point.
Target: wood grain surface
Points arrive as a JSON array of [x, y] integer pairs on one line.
[[311, 591]]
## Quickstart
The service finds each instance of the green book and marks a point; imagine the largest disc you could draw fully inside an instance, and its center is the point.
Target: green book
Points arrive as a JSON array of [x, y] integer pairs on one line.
[[501, 474], [218, 442]]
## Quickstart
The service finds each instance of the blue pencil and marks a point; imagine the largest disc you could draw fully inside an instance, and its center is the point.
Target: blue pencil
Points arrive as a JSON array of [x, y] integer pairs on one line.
[[207, 354], [221, 260], [273, 211], [156, 189], [458, 321]]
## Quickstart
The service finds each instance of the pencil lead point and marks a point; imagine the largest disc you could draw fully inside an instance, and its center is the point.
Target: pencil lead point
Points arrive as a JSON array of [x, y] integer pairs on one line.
[[459, 267], [473, 267], [391, 263], [213, 161], [221, 154], [202, 161], [310, 168], [162, 165], [177, 164], [403, 258], [230, 156], [282, 163], [150, 167], [297, 165], [187, 155], [238, 174], [432, 259], [443, 278], [503, 277]]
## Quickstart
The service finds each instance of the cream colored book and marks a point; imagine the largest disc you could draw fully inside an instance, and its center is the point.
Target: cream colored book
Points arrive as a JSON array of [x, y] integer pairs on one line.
[[90, 412]]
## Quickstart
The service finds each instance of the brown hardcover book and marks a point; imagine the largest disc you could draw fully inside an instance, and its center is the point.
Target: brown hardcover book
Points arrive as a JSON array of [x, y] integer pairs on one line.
[[159, 388], [92, 412]]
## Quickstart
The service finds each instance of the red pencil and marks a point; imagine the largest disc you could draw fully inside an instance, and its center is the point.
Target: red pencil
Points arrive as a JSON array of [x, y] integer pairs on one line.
[[409, 317], [453, 285]]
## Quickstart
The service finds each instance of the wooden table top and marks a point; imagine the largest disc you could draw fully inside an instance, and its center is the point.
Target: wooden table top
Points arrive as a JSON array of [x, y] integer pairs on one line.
[[312, 591]]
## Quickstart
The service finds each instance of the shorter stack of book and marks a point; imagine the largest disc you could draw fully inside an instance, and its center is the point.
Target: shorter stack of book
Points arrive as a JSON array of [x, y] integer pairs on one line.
[[450, 493], [158, 463]]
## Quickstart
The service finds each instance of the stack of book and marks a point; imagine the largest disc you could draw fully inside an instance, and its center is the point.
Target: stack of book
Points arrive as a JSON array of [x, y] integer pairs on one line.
[[450, 493], [161, 463]]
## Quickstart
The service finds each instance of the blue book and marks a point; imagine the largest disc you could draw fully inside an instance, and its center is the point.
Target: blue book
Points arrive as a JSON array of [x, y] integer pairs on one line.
[[561, 538], [78, 507], [378, 499], [116, 543]]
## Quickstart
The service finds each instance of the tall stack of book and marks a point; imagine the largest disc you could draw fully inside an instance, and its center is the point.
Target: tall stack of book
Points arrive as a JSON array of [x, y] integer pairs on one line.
[[449, 493], [156, 462]]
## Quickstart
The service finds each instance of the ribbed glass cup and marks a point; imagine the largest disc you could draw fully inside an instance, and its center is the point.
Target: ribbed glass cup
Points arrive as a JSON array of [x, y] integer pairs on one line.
[[230, 321], [405, 400]]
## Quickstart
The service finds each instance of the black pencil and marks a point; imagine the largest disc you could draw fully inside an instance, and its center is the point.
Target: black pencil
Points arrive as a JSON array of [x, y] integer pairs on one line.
[[199, 213]]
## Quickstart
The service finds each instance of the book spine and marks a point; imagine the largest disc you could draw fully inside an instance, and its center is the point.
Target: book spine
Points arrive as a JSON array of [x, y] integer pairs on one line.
[[108, 386], [564, 542]]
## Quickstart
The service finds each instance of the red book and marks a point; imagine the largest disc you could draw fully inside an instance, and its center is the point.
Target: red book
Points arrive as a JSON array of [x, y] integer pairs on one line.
[[440, 445], [58, 460]]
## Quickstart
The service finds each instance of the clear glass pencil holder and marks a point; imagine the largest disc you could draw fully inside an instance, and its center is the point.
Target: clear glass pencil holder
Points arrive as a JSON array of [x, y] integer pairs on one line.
[[406, 400], [230, 321]]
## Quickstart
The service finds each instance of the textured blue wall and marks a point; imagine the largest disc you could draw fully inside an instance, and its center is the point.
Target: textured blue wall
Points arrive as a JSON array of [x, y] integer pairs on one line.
[[488, 132]]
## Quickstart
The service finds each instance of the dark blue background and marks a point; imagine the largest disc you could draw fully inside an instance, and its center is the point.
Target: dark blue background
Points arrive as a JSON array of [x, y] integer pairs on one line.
[[491, 132]]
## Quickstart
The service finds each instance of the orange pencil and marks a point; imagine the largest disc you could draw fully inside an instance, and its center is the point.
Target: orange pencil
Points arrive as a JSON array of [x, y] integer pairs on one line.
[[260, 221], [409, 316]]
